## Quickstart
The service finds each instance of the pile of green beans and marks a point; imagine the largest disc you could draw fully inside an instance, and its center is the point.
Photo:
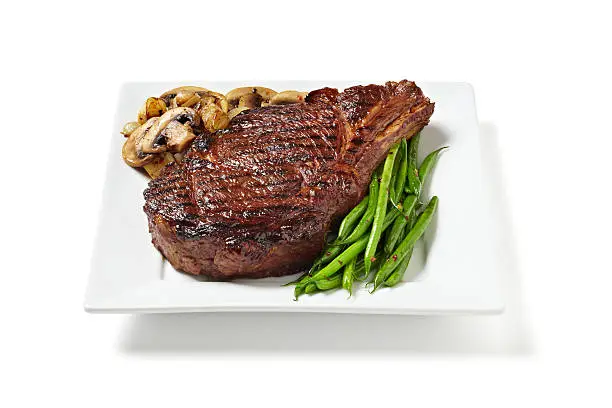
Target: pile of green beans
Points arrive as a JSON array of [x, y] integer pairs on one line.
[[377, 237]]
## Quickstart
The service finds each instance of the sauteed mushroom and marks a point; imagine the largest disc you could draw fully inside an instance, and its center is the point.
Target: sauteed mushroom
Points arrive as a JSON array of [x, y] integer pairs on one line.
[[185, 99], [213, 117], [151, 108], [132, 148], [171, 132], [287, 97], [129, 128], [217, 98], [234, 112], [156, 166], [171, 94], [233, 96]]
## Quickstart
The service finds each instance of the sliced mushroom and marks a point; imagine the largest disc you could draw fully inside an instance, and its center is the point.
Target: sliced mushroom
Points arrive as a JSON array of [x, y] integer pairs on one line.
[[234, 112], [172, 93], [185, 99], [220, 100], [250, 101], [178, 136], [287, 97], [155, 167], [159, 138], [233, 96], [213, 117], [132, 148], [129, 128], [152, 107]]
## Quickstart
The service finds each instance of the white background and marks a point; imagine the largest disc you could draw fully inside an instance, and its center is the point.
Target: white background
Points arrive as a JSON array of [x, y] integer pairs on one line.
[[542, 78]]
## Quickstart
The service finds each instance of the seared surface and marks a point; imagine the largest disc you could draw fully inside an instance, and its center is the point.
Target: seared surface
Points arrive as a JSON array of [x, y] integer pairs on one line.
[[257, 199]]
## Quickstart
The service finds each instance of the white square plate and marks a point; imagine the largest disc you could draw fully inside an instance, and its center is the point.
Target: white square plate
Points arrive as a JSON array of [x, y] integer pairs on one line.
[[453, 269]]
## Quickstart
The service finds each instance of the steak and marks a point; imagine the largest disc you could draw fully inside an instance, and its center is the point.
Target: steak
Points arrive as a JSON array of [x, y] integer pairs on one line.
[[258, 198]]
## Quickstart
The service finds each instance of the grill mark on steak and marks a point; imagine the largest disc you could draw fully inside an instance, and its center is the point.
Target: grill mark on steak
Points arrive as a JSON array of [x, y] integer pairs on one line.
[[257, 199]]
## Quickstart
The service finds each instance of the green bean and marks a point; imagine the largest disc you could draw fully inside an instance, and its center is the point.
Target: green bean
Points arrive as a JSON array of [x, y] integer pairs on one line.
[[351, 218], [341, 260], [398, 274], [298, 280], [310, 289], [406, 245], [360, 271], [396, 163], [297, 292], [390, 217], [330, 253], [400, 222], [348, 276], [429, 163], [381, 208], [368, 216], [400, 178], [414, 183], [329, 283], [348, 254]]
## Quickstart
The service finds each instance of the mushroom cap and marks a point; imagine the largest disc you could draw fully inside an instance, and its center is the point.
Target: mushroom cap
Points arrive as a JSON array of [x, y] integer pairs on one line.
[[250, 100], [132, 148], [185, 99], [233, 96], [172, 93]]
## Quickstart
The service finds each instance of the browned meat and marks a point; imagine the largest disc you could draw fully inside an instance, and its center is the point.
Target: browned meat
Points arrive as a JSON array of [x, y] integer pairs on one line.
[[258, 198]]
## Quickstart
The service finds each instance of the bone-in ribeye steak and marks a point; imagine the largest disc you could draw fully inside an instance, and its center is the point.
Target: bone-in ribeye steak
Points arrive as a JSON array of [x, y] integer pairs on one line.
[[258, 198]]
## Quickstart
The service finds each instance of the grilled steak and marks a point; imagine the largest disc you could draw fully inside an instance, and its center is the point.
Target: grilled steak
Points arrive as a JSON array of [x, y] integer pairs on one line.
[[258, 198]]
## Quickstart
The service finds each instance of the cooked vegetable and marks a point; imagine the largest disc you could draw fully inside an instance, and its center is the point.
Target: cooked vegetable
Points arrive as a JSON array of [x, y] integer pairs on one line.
[[399, 224], [185, 99], [348, 276], [429, 163], [352, 217], [213, 117], [381, 208], [171, 132], [398, 274], [170, 96], [368, 216], [310, 289], [341, 260], [414, 183], [234, 112], [330, 283], [287, 97], [233, 97], [155, 167], [407, 244], [346, 256], [400, 177], [250, 100], [129, 128], [132, 148], [153, 107]]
